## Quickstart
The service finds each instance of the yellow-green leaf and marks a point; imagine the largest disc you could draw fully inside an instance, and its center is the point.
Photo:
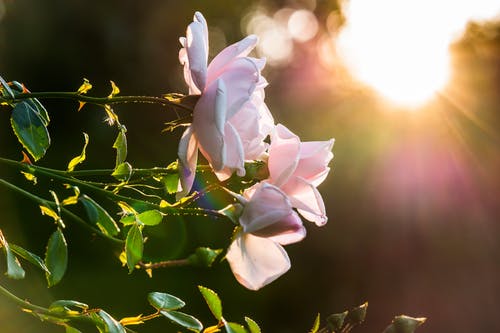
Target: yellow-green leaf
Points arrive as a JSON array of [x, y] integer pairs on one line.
[[134, 246], [86, 86], [120, 145], [213, 301], [114, 89], [80, 158]]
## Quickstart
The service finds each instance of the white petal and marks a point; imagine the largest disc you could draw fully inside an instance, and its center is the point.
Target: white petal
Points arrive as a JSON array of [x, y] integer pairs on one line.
[[188, 156], [256, 261]]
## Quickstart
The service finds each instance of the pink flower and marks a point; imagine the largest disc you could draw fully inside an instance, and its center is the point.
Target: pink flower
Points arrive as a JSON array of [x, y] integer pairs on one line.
[[230, 120], [268, 221], [297, 168]]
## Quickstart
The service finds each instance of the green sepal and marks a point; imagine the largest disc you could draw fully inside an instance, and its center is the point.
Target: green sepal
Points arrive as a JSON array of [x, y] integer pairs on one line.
[[110, 323], [56, 257], [234, 328], [404, 324], [204, 256], [31, 257], [134, 246], [164, 301], [252, 325], [30, 129], [213, 301], [232, 212], [99, 216], [182, 319]]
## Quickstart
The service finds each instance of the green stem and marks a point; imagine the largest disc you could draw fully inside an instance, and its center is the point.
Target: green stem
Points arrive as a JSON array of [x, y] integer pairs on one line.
[[62, 176], [24, 304], [165, 264], [66, 211], [96, 100]]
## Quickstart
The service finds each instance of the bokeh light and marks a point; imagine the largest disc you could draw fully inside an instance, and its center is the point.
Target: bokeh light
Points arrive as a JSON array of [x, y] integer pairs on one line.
[[400, 48]]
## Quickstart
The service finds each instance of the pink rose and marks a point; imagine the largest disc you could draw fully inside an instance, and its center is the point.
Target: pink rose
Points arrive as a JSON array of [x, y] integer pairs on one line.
[[268, 221], [297, 168], [230, 120]]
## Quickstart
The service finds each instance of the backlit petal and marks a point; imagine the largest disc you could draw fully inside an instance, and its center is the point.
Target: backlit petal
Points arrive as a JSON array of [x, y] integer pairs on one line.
[[256, 261], [283, 155]]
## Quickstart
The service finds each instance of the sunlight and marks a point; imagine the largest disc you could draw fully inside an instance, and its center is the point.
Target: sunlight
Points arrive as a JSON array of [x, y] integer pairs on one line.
[[400, 48]]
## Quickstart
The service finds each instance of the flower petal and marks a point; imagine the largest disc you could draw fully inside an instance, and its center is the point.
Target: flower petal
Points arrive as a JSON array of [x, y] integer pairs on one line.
[[306, 198], [196, 53], [314, 159], [283, 155], [188, 156], [234, 154], [241, 77], [236, 50], [256, 261], [208, 123], [267, 206]]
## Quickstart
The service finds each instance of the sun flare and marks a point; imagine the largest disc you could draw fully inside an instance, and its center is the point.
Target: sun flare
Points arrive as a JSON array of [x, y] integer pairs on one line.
[[400, 48]]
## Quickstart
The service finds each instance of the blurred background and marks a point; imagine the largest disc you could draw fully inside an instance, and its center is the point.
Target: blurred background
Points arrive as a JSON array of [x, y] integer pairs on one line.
[[409, 90]]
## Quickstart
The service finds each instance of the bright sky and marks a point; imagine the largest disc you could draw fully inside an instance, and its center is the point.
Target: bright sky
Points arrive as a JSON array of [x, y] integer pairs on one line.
[[400, 47]]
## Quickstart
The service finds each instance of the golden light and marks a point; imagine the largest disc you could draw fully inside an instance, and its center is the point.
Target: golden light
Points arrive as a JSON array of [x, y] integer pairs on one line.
[[400, 48]]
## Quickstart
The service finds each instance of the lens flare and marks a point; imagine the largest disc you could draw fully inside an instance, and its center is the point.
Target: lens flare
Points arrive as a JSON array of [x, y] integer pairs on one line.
[[400, 48]]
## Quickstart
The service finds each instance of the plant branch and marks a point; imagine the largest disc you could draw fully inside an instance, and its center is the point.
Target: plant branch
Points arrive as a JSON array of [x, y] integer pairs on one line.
[[64, 210], [96, 100]]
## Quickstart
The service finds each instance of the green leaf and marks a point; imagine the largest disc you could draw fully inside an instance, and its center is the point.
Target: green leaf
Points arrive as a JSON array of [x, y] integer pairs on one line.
[[34, 103], [163, 301], [70, 329], [252, 325], [315, 327], [31, 257], [99, 216], [213, 301], [56, 257], [6, 91], [357, 315], [234, 328], [171, 182], [335, 321], [150, 217], [120, 145], [30, 129], [187, 321], [112, 325], [134, 246], [232, 212], [14, 269], [204, 256], [404, 324], [80, 158], [64, 305], [128, 219], [123, 172]]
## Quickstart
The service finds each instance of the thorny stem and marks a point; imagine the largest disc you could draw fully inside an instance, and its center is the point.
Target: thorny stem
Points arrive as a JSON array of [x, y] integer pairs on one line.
[[165, 264], [96, 100], [64, 177], [65, 211]]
